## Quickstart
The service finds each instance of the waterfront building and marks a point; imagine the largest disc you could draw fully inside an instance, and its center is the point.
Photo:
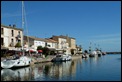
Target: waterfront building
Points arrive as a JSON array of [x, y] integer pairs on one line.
[[51, 44], [32, 42], [79, 49], [65, 43], [10, 36]]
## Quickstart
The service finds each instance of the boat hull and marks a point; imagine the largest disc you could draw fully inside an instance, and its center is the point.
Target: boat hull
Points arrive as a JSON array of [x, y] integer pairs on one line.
[[21, 62]]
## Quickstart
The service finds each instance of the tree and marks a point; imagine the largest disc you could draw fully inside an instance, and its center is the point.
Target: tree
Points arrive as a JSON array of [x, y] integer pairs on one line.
[[39, 48], [46, 51], [18, 45]]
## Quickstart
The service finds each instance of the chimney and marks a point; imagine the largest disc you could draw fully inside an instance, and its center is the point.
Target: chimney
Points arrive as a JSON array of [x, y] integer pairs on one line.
[[14, 25]]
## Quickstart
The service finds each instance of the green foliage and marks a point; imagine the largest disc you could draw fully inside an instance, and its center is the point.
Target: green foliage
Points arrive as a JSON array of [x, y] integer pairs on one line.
[[39, 48], [46, 51], [52, 52], [18, 45]]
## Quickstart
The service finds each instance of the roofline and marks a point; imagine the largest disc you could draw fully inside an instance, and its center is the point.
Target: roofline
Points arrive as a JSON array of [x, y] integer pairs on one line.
[[12, 27]]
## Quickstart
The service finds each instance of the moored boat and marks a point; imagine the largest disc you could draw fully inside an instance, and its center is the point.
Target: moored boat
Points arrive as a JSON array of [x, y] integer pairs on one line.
[[12, 63], [62, 57], [22, 60], [84, 56]]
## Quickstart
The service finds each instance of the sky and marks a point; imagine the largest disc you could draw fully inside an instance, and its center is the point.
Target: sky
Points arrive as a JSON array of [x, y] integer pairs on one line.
[[95, 22]]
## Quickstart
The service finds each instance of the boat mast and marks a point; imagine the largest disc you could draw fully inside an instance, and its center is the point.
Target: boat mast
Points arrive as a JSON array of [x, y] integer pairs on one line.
[[23, 27]]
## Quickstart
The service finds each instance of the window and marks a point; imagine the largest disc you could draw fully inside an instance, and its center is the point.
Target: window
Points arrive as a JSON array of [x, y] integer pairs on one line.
[[19, 40], [2, 40], [12, 42], [12, 32], [45, 44], [2, 31], [19, 32]]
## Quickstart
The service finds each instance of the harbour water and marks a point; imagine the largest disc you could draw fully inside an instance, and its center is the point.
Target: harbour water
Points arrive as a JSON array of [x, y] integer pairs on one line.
[[104, 68]]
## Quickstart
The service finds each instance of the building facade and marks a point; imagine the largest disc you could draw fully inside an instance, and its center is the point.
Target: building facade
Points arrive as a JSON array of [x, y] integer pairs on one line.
[[50, 43], [10, 36], [32, 42], [65, 43]]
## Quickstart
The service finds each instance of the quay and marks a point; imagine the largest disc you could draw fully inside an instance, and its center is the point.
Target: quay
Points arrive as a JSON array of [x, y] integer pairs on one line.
[[49, 58], [113, 52]]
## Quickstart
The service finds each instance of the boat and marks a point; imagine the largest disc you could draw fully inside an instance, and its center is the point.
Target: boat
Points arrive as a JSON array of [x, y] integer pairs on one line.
[[69, 57], [93, 54], [99, 53], [84, 56], [62, 57], [103, 53], [17, 62]]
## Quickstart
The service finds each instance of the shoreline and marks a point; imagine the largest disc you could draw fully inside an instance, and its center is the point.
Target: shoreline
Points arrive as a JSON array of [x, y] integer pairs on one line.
[[36, 60], [43, 60]]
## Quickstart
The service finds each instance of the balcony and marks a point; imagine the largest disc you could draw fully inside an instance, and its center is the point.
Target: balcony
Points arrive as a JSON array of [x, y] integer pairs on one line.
[[18, 36]]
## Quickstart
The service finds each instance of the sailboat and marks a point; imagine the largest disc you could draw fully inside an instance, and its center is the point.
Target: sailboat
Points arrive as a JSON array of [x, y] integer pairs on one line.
[[23, 60]]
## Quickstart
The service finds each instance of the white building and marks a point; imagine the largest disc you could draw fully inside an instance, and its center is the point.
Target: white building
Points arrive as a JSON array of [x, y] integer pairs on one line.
[[52, 44], [10, 36], [33, 42]]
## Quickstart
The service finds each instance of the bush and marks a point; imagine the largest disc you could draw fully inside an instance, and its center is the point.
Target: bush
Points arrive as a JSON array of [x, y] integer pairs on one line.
[[39, 48], [18, 45], [46, 51]]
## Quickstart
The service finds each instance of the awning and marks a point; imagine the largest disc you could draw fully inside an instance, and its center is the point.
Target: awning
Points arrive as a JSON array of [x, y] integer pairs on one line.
[[39, 50], [31, 51]]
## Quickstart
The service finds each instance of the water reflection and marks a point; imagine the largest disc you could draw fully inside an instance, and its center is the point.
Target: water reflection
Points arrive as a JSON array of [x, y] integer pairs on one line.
[[43, 71], [80, 69], [15, 75], [46, 71]]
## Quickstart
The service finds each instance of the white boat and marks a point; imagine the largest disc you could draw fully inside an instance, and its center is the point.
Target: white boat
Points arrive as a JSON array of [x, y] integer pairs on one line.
[[99, 53], [11, 63], [21, 61], [84, 55], [8, 63], [68, 57], [57, 58], [93, 54], [62, 57]]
